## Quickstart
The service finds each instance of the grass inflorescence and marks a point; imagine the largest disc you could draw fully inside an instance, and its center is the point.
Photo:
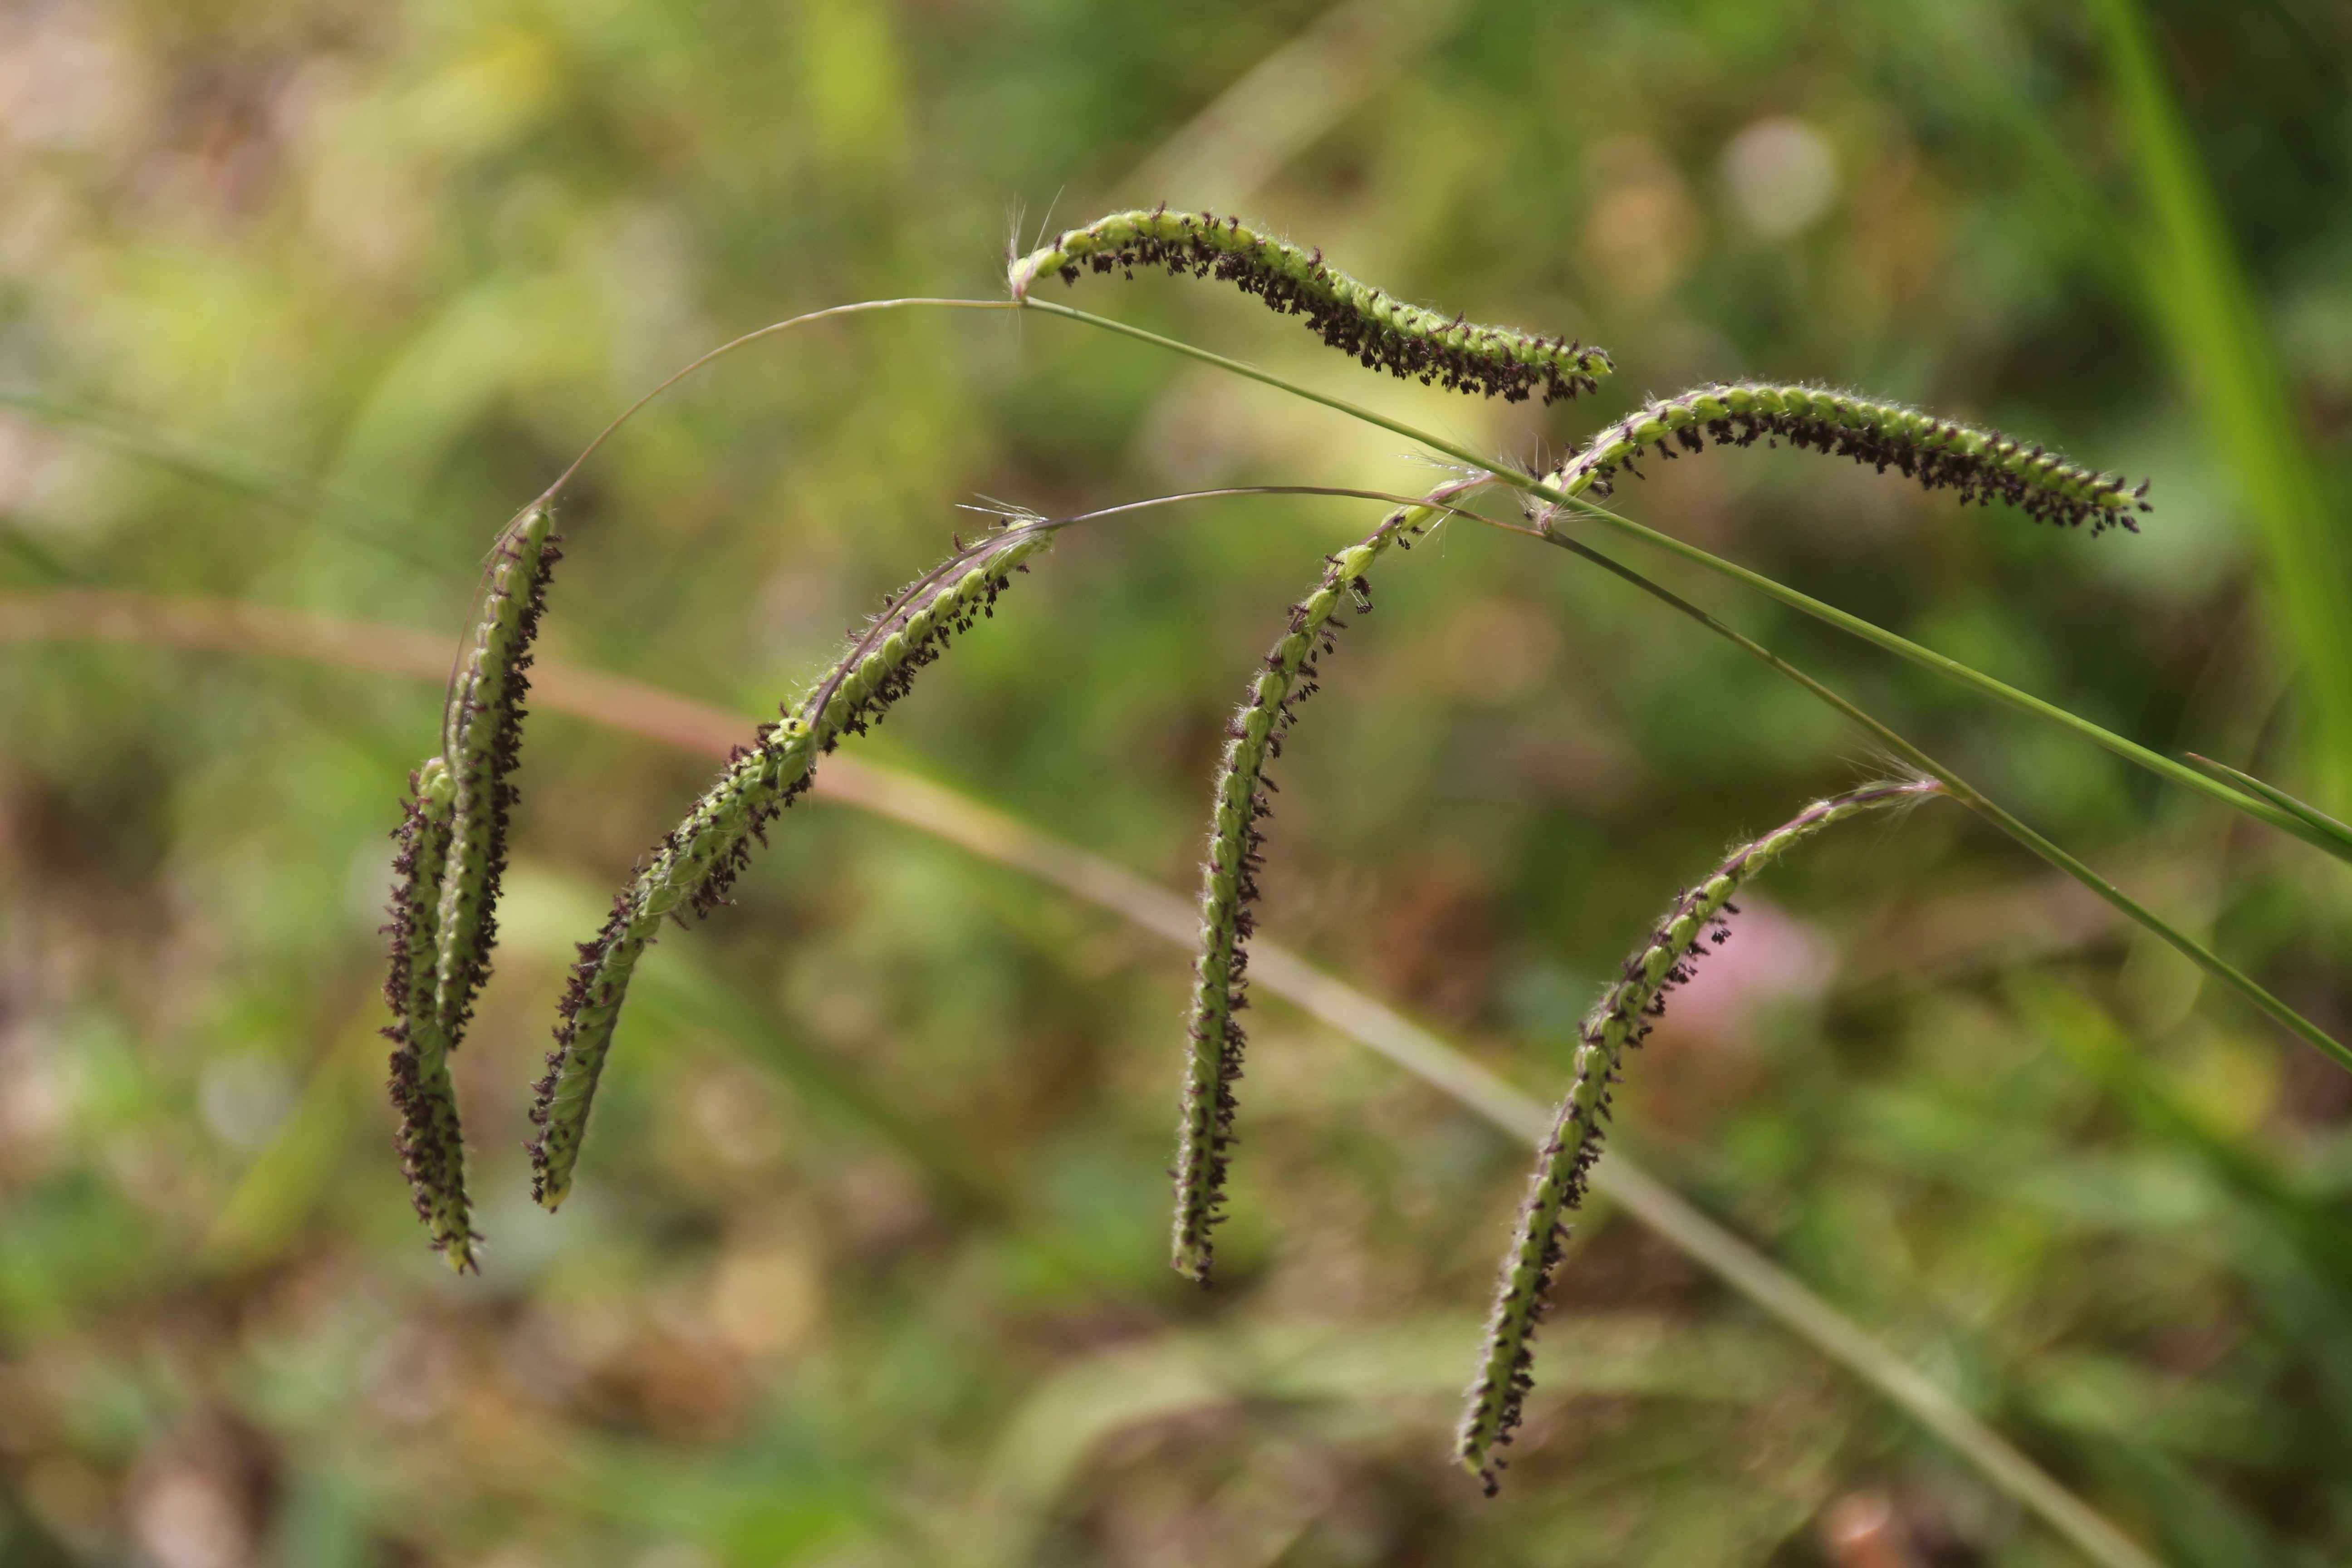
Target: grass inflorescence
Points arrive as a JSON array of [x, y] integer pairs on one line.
[[453, 835], [1375, 328], [482, 742], [1981, 466], [1229, 876], [1696, 921], [695, 865], [431, 1142], [452, 859]]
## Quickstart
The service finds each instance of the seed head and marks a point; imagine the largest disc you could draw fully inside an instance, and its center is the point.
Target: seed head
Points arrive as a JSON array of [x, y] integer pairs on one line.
[[1229, 885], [694, 867], [452, 858], [431, 1148], [1693, 923], [1359, 320], [482, 738], [1981, 466]]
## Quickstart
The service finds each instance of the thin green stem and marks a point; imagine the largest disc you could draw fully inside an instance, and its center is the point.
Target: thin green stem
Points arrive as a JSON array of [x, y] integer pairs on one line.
[[2278, 797], [1976, 801], [1249, 371], [862, 307], [2155, 761], [2024, 702]]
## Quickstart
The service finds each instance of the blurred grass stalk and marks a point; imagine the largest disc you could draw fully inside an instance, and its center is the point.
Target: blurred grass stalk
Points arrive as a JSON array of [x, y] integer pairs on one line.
[[347, 510], [1288, 100], [2213, 328], [252, 1220]]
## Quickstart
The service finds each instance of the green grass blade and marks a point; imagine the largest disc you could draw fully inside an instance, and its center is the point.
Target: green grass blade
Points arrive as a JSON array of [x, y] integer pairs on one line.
[[2278, 797], [384, 528], [2212, 324], [2024, 702], [1975, 799]]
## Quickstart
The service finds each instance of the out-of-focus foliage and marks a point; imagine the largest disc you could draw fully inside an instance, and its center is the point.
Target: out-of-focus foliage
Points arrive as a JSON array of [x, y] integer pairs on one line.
[[864, 1264]]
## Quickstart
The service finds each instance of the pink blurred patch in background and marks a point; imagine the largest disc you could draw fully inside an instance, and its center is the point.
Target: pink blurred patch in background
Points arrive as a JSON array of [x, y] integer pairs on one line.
[[1701, 1058]]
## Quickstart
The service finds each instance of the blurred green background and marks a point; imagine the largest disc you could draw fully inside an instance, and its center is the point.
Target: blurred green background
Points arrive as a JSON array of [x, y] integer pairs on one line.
[[298, 302]]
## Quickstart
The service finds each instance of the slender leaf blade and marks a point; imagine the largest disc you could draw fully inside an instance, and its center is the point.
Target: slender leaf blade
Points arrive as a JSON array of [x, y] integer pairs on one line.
[[2319, 820]]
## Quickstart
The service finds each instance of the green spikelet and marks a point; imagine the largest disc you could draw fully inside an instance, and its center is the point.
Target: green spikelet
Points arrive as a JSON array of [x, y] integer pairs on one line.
[[1229, 877], [452, 856], [432, 1149], [482, 739], [695, 865], [1506, 1368], [1981, 466], [1354, 317]]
